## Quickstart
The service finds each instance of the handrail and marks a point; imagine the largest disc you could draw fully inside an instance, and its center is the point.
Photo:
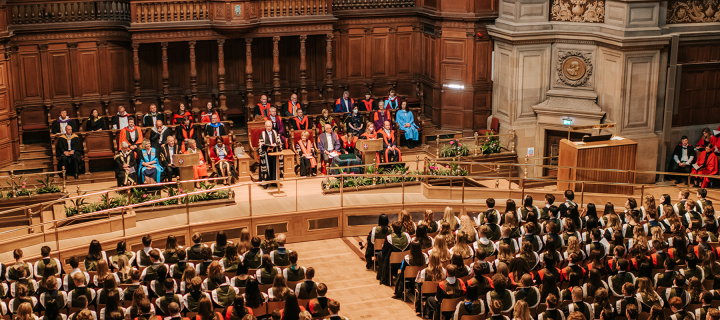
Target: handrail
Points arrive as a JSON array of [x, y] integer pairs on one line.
[[107, 191]]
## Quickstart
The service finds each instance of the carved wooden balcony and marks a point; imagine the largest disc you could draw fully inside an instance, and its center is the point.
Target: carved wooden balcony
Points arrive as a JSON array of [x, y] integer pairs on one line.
[[169, 11], [339, 5], [75, 11]]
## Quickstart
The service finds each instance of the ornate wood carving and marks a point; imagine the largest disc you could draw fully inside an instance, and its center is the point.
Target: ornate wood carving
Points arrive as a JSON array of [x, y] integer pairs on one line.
[[136, 69], [303, 71], [221, 73], [193, 71], [248, 73], [165, 72], [329, 66], [578, 10], [685, 11], [276, 70]]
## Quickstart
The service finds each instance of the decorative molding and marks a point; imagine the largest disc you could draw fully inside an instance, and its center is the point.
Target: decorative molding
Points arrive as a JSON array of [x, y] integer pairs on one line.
[[173, 34], [574, 68], [302, 28], [392, 29], [72, 45], [368, 30], [456, 24], [378, 21], [578, 10], [276, 50], [220, 11], [70, 35], [687, 11], [238, 11], [101, 43], [44, 46], [581, 42]]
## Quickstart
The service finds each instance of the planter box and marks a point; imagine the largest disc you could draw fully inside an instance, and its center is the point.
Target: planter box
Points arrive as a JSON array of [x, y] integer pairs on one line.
[[19, 218], [443, 189], [147, 213], [377, 186], [481, 169], [93, 226]]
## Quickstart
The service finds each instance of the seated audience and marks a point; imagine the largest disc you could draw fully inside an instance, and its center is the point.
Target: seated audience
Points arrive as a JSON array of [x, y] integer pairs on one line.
[[59, 125], [215, 128], [682, 159], [121, 120]]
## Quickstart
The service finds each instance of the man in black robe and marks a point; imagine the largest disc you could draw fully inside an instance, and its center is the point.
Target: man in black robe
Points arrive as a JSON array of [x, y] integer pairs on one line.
[[269, 142], [167, 151], [682, 159], [59, 124], [215, 128], [159, 134], [151, 117], [120, 120], [125, 173], [69, 150]]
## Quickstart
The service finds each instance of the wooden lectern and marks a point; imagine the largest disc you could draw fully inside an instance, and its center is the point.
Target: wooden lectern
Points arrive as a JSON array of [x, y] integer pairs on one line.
[[186, 162], [611, 154], [369, 147]]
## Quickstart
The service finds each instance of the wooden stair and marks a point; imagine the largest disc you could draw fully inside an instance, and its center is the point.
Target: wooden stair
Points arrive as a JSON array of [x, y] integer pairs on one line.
[[33, 158]]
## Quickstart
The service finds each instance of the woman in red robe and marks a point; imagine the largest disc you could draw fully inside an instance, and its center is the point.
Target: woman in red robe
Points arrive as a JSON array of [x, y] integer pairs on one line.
[[199, 170], [707, 164]]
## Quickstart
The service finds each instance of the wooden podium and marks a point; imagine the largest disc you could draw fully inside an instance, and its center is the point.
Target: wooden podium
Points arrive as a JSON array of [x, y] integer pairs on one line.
[[611, 154], [186, 162], [369, 147]]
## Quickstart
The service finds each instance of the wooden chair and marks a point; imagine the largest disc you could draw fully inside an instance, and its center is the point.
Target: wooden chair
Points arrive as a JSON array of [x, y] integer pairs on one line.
[[210, 144], [234, 103], [127, 304], [411, 273], [643, 316], [99, 146], [293, 284], [427, 288], [494, 127], [304, 302], [708, 284], [32, 119], [255, 129], [276, 305], [296, 136], [191, 315], [395, 258], [475, 317], [448, 305], [715, 303], [378, 244], [260, 311], [265, 287]]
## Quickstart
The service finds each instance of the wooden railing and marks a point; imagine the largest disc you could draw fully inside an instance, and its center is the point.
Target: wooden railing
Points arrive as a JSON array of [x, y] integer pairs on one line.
[[52, 12], [285, 8], [146, 12], [371, 4]]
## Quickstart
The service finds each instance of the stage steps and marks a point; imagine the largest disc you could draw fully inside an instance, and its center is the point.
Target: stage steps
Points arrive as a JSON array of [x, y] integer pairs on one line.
[[33, 158]]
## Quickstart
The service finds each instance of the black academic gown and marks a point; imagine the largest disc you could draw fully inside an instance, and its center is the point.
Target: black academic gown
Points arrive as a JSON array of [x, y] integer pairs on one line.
[[123, 177], [165, 160], [73, 162], [95, 124], [147, 120], [211, 132], [155, 137], [116, 120], [269, 169], [72, 123], [182, 133]]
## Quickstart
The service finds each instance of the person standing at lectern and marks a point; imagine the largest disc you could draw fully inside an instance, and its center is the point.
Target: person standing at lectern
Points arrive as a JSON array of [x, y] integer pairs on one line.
[[60, 123], [328, 143], [125, 173], [69, 151], [215, 128], [270, 168], [151, 117], [167, 152], [682, 159]]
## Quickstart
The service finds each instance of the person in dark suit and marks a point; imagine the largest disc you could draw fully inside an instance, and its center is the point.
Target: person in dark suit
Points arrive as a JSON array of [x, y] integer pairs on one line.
[[69, 150], [159, 134], [120, 120], [215, 128], [167, 152], [682, 159], [328, 142], [151, 117], [60, 123]]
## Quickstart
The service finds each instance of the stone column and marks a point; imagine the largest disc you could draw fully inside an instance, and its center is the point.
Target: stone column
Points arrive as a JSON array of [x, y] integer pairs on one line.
[[303, 69], [221, 74], [276, 71], [249, 77], [165, 72]]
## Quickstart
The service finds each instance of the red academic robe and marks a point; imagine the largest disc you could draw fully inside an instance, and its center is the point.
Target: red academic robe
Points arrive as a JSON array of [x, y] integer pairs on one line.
[[711, 166]]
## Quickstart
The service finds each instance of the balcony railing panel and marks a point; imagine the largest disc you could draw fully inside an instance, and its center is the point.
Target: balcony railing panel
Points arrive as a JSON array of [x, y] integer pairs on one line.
[[55, 12]]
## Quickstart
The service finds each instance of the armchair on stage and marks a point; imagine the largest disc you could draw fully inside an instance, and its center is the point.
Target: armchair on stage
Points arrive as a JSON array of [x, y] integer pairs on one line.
[[297, 137], [241, 163]]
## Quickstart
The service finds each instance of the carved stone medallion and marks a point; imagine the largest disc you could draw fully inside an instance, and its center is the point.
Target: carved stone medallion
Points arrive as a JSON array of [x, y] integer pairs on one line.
[[574, 68]]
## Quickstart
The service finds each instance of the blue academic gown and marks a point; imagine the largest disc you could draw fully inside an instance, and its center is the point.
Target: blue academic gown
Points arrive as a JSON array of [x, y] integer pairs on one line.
[[391, 104], [149, 158], [402, 117]]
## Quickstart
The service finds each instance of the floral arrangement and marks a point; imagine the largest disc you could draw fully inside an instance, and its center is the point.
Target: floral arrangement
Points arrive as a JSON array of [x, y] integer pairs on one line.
[[491, 144], [447, 170], [141, 195], [361, 181], [20, 188], [454, 148]]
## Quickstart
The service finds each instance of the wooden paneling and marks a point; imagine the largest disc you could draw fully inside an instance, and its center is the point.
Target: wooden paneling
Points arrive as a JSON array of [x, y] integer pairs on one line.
[[699, 96], [404, 54], [378, 54], [600, 155], [356, 55], [60, 76], [89, 74], [695, 53], [30, 76]]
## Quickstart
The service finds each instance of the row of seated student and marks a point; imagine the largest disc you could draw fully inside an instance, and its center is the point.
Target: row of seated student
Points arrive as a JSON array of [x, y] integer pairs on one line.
[[179, 281], [632, 256]]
